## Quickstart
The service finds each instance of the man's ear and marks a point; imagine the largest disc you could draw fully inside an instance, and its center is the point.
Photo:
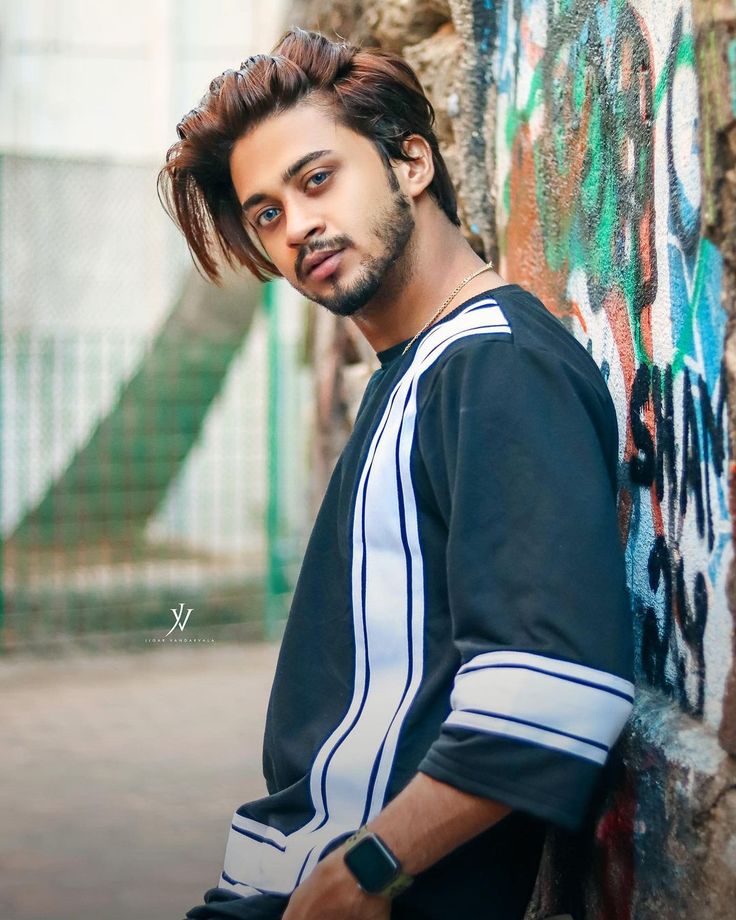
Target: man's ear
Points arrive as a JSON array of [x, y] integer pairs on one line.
[[417, 172]]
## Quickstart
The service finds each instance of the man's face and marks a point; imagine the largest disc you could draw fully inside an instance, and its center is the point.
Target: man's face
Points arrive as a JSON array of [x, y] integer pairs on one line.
[[313, 188]]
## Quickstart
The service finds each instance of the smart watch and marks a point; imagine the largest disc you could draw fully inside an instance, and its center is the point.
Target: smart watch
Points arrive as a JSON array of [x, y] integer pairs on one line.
[[374, 866]]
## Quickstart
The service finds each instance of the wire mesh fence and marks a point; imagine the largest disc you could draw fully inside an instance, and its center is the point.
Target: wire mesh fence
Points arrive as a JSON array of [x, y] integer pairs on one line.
[[138, 460]]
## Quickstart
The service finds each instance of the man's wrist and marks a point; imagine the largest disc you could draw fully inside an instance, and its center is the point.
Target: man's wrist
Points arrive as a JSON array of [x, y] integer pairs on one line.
[[373, 865], [339, 877]]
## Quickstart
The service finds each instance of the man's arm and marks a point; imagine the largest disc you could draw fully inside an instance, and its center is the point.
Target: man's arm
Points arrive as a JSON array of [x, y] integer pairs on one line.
[[427, 820]]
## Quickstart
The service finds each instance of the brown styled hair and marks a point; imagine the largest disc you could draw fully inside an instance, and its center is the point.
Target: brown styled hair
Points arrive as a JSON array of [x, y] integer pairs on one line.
[[372, 92]]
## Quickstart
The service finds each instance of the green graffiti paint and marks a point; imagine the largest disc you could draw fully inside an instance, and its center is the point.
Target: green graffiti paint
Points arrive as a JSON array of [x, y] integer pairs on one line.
[[605, 229], [517, 117], [579, 83], [684, 344], [592, 179], [685, 57]]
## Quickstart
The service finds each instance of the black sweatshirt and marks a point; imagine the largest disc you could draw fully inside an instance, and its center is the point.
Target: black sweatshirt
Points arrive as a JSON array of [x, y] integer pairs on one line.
[[461, 611]]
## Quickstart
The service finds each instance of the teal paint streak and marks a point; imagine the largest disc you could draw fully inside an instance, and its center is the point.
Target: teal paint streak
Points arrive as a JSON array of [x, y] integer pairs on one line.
[[685, 56], [517, 117], [684, 345], [591, 181], [605, 230], [579, 83]]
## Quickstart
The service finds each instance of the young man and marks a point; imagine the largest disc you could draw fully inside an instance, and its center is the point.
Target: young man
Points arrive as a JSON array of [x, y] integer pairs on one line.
[[457, 661]]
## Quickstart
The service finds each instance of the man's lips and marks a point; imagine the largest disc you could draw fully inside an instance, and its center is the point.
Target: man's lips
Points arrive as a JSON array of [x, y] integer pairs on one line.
[[321, 265]]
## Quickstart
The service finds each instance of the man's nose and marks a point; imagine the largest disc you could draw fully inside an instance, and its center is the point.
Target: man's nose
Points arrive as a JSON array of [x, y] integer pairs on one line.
[[303, 224]]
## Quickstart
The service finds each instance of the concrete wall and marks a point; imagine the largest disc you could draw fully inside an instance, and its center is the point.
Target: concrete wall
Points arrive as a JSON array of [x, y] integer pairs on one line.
[[592, 144]]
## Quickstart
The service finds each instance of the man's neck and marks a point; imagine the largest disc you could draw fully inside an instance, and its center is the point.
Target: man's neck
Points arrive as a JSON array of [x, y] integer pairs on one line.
[[436, 266]]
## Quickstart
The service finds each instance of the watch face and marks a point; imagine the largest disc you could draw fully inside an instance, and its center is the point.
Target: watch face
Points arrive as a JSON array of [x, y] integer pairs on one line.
[[372, 865]]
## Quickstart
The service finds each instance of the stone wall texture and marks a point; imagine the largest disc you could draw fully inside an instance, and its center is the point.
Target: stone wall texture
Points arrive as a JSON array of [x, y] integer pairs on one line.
[[593, 147]]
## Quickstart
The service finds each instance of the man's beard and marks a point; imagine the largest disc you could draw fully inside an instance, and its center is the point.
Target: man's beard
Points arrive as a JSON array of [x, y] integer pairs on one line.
[[395, 226]]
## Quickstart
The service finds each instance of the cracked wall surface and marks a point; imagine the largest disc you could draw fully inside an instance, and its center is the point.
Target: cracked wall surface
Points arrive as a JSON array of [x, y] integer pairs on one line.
[[593, 147]]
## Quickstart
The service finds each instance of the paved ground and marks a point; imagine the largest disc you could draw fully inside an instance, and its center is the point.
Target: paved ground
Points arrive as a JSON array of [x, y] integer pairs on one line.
[[119, 775]]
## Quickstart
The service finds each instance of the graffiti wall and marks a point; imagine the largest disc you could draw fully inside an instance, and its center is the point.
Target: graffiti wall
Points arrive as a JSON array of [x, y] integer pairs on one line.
[[593, 144], [598, 201]]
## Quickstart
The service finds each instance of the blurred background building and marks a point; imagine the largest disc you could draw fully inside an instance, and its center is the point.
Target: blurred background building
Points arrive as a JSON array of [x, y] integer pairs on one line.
[[154, 455], [139, 403]]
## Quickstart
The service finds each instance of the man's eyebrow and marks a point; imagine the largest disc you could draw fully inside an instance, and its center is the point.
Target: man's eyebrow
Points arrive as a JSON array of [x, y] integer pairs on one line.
[[287, 175]]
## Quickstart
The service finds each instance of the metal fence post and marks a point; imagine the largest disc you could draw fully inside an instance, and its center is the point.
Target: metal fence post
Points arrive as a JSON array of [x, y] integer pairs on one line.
[[277, 583], [2, 409]]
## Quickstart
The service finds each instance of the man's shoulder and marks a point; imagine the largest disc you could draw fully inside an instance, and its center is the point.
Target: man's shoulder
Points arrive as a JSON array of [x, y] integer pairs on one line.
[[510, 317], [507, 331]]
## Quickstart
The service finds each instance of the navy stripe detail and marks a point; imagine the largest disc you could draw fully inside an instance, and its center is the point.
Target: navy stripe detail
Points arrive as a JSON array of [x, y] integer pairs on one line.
[[407, 554], [535, 744], [234, 881], [304, 866], [463, 333], [547, 728], [350, 727], [347, 731], [258, 837], [574, 680], [407, 612], [491, 302]]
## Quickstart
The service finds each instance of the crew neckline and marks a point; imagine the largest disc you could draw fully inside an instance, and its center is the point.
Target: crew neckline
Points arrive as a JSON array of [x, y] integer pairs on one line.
[[387, 355]]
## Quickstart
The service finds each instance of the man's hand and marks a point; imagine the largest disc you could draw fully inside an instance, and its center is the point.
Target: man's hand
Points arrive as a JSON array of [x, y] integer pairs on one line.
[[331, 893], [425, 821]]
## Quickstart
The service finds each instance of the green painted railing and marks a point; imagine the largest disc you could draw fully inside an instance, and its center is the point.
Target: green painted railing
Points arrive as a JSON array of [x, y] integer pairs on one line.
[[140, 475], [277, 583]]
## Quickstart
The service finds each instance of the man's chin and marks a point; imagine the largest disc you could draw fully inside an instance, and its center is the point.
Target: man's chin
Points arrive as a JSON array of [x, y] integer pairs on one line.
[[340, 306], [334, 295]]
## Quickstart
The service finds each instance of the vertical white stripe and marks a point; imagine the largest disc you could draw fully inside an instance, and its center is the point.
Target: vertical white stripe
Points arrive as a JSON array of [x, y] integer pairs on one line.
[[385, 631]]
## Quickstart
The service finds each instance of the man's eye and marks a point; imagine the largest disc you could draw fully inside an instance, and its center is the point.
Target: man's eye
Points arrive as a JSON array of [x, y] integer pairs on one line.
[[263, 217], [323, 172]]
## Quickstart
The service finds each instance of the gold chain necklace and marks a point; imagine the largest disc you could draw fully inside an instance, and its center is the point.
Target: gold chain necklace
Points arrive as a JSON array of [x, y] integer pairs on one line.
[[441, 309]]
